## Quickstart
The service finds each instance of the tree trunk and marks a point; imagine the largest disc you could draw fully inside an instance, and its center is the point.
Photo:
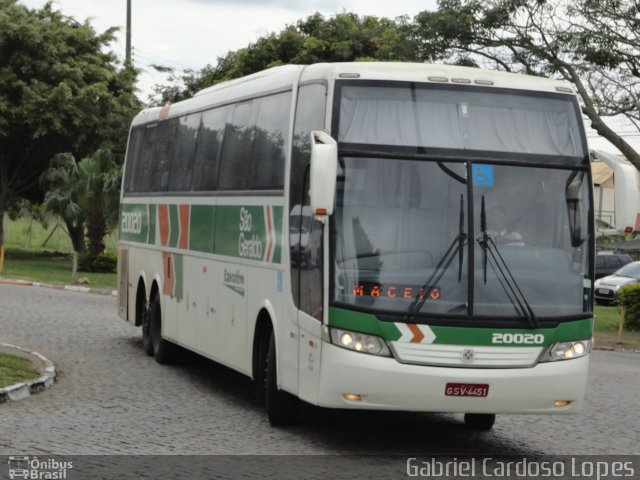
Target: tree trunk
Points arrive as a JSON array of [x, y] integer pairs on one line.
[[96, 230], [76, 233]]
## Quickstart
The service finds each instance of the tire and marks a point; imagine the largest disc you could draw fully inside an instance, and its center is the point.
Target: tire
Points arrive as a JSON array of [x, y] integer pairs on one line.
[[163, 350], [282, 407], [482, 422], [260, 380], [147, 343]]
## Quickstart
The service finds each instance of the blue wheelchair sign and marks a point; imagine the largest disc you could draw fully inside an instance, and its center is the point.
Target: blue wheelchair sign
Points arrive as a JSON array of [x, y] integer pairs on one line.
[[482, 175]]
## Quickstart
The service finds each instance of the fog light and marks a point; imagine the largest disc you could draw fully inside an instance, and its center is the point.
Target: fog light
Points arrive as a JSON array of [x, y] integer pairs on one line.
[[352, 397], [562, 403]]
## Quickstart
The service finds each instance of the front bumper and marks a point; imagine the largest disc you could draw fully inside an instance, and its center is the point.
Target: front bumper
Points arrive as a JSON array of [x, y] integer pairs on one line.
[[385, 384]]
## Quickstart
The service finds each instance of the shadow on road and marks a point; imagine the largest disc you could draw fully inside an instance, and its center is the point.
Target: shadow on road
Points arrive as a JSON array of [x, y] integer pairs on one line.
[[355, 432]]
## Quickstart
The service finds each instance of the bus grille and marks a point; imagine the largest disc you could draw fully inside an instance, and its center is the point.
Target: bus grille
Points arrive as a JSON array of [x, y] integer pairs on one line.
[[466, 356]]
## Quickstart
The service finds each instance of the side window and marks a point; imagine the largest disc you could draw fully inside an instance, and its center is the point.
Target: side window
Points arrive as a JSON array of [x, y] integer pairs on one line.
[[209, 144], [599, 261], [305, 233], [271, 135], [237, 147], [164, 154], [133, 158], [185, 148], [613, 262], [144, 165]]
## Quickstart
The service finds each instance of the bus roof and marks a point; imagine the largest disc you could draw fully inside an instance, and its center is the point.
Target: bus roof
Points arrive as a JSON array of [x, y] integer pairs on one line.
[[284, 77]]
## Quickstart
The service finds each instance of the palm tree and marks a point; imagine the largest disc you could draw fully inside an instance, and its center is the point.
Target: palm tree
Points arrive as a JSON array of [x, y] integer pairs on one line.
[[61, 182], [99, 196], [84, 194]]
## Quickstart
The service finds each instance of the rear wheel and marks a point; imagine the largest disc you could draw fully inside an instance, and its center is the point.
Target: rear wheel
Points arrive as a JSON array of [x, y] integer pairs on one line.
[[163, 350], [147, 343], [482, 422], [282, 407]]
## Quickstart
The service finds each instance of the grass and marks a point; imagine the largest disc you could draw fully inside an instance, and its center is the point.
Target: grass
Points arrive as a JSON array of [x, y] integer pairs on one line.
[[15, 370], [607, 322], [51, 267], [45, 255]]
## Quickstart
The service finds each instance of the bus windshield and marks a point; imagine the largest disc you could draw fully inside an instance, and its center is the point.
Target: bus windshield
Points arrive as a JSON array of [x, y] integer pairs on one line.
[[455, 237]]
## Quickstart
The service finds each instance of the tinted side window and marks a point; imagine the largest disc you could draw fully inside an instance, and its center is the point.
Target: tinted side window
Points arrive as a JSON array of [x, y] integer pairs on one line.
[[599, 261], [271, 134], [613, 262], [207, 158], [133, 158], [164, 154], [237, 147], [144, 165], [185, 148]]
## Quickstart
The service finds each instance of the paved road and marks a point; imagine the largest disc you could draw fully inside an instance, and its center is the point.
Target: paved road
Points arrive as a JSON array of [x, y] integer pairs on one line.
[[111, 398]]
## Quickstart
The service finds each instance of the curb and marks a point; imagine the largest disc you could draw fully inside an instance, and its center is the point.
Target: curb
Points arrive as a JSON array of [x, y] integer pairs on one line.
[[22, 390], [69, 288]]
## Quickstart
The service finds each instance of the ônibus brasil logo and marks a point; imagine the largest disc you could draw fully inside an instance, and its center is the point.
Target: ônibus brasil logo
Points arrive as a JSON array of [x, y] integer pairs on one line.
[[34, 468]]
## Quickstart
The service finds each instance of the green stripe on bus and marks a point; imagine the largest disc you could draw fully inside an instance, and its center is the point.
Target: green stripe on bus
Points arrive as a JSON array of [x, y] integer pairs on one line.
[[277, 223], [151, 237], [444, 335], [134, 223], [232, 230], [201, 223]]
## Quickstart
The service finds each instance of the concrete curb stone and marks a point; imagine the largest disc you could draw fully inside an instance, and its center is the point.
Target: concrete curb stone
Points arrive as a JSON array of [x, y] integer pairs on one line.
[[22, 390]]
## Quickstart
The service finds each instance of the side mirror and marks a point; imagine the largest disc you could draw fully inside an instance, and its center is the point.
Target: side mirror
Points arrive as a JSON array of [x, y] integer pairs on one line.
[[324, 167]]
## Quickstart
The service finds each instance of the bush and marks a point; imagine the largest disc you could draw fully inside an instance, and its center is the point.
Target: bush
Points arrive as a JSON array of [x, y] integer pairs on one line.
[[103, 263], [628, 297]]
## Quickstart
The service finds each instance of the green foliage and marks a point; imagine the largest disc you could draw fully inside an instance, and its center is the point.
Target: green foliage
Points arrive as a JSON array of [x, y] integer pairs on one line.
[[61, 90], [593, 44], [103, 263], [345, 37], [86, 193], [628, 297]]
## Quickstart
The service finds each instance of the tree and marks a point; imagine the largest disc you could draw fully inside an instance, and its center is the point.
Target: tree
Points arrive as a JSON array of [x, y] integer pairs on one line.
[[99, 196], [345, 37], [84, 193], [60, 91], [590, 43], [61, 181]]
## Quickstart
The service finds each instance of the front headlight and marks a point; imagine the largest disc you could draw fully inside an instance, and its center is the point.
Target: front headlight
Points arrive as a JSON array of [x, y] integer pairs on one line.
[[567, 350], [360, 342]]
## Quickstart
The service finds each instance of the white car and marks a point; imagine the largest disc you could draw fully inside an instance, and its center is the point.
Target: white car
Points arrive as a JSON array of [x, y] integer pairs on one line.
[[606, 288]]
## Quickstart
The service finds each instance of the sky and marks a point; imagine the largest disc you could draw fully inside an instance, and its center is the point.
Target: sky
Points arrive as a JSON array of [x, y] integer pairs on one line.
[[189, 34]]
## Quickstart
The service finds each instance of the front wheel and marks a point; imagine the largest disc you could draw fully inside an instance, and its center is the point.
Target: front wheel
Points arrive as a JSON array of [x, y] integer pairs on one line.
[[482, 422], [282, 407]]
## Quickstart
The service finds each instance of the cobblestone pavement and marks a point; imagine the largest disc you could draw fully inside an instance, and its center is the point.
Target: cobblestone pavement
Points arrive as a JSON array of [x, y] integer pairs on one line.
[[110, 398]]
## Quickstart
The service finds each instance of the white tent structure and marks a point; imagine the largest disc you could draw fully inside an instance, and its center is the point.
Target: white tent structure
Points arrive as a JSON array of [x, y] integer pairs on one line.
[[616, 191]]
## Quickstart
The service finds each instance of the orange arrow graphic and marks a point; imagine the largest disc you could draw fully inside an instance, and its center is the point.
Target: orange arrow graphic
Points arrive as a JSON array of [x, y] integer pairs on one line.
[[417, 333]]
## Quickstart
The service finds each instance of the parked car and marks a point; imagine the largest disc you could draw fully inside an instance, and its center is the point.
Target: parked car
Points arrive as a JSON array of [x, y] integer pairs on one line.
[[606, 288], [609, 262]]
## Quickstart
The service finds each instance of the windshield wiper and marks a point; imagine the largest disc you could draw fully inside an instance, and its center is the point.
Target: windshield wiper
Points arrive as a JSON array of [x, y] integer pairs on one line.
[[501, 269], [457, 246]]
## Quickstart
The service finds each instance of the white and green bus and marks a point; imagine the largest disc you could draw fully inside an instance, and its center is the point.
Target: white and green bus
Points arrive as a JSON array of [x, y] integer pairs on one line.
[[368, 236]]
